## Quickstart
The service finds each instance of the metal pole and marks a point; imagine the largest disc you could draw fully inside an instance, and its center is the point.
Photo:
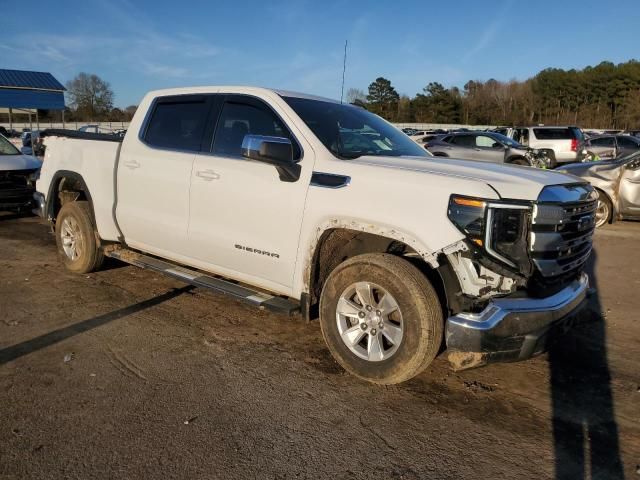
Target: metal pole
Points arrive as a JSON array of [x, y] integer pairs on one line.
[[37, 120], [10, 120], [63, 119]]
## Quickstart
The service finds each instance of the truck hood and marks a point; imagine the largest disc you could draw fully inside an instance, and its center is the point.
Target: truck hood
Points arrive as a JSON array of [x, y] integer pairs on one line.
[[19, 162], [510, 181]]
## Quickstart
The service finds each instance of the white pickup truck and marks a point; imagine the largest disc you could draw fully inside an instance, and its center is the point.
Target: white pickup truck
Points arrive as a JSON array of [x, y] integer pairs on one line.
[[301, 204]]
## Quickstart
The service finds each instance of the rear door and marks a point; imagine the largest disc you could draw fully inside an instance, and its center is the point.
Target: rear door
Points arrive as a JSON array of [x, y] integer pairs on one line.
[[462, 146], [154, 174], [244, 221]]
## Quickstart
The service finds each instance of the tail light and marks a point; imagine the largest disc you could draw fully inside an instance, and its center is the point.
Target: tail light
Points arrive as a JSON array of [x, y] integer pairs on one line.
[[574, 144]]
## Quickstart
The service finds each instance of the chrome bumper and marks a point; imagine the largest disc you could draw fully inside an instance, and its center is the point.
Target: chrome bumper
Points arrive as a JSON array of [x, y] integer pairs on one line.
[[511, 329], [38, 204]]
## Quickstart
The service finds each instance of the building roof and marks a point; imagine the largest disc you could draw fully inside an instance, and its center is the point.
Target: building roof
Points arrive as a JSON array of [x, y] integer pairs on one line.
[[29, 80], [23, 89]]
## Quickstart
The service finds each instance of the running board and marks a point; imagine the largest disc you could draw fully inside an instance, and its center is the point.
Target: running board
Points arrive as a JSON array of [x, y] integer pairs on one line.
[[254, 297]]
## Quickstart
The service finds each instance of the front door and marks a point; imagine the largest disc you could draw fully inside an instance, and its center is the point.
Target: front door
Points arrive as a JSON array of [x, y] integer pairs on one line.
[[630, 189], [244, 220]]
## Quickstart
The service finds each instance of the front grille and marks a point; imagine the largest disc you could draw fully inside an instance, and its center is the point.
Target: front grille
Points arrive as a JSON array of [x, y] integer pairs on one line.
[[562, 228], [15, 188]]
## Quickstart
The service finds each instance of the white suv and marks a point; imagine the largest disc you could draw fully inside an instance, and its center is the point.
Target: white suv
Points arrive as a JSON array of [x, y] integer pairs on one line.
[[562, 144]]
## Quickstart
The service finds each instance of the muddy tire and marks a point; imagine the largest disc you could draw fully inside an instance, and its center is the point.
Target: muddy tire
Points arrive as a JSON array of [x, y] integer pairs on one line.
[[77, 238], [603, 210], [381, 318]]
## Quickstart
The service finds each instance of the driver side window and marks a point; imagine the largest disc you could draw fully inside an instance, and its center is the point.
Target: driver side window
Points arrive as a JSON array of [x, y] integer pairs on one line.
[[238, 119], [486, 142]]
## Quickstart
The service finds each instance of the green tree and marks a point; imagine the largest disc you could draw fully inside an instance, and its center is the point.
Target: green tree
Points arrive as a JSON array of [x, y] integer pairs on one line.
[[383, 99]]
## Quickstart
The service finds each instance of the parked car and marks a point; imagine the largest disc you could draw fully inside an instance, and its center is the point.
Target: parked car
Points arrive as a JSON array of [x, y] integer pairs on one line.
[[18, 174], [617, 183], [611, 146], [32, 143], [561, 144], [95, 129], [309, 205], [483, 146]]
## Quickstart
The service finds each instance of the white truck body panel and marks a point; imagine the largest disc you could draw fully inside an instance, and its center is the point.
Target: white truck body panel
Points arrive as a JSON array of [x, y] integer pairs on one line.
[[197, 208]]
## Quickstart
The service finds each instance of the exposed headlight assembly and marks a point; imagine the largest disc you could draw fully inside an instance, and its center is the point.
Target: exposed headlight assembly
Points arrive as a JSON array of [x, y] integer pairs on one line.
[[500, 228]]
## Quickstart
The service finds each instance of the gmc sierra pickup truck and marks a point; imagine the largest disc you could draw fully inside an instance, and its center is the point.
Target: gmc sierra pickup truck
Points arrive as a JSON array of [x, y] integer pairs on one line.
[[301, 204]]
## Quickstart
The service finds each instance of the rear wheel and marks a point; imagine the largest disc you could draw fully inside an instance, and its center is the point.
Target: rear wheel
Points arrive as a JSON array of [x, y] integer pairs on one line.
[[603, 210], [76, 238], [381, 318]]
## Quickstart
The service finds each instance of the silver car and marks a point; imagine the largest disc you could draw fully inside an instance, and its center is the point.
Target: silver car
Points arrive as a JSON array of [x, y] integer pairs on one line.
[[483, 146], [617, 183], [612, 146], [18, 174]]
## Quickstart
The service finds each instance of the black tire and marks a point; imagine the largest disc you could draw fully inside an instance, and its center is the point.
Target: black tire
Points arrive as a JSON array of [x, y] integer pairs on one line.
[[419, 305], [89, 254], [604, 209]]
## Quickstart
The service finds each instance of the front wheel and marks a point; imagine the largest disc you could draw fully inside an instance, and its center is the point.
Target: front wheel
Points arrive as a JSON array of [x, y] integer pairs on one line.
[[381, 318], [603, 209]]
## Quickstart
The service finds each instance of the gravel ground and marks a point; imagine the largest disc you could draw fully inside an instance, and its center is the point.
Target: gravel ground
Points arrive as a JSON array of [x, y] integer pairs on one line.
[[127, 374]]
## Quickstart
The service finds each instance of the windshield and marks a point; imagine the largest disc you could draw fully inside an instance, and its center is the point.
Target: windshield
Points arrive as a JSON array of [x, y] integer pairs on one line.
[[7, 148], [350, 132], [628, 158], [507, 141]]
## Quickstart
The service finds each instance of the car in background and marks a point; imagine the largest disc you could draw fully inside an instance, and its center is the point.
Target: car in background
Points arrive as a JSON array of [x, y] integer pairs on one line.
[[617, 183], [95, 129], [611, 146], [483, 146], [18, 175], [32, 143], [561, 144]]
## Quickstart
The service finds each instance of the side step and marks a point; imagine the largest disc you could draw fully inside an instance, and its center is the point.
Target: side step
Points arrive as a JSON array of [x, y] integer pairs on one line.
[[198, 279]]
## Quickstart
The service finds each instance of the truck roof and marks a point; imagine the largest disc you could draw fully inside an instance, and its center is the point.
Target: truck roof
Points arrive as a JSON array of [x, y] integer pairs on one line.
[[240, 89]]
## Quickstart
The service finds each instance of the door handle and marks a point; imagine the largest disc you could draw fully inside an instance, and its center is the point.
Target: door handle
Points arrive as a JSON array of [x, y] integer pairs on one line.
[[131, 164], [207, 175]]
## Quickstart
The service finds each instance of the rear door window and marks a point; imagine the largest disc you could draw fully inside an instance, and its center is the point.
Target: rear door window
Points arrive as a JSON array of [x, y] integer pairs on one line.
[[554, 133], [463, 140], [178, 123]]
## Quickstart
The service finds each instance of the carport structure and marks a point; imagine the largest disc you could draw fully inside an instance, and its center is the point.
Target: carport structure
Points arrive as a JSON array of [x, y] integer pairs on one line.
[[25, 92]]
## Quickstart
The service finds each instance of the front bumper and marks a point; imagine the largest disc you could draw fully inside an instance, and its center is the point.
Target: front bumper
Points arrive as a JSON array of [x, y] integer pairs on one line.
[[512, 329]]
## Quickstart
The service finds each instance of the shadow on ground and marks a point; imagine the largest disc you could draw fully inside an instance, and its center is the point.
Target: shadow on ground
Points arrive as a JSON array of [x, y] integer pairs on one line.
[[584, 429], [14, 352]]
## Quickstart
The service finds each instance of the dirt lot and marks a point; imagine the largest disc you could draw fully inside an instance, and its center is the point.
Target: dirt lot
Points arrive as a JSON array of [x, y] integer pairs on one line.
[[127, 374]]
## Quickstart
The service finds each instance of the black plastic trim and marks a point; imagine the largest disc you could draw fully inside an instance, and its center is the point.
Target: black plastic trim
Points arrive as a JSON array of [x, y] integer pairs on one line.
[[329, 180]]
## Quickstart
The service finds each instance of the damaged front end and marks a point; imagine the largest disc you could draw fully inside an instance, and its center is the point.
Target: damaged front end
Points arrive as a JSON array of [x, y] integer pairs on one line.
[[518, 275]]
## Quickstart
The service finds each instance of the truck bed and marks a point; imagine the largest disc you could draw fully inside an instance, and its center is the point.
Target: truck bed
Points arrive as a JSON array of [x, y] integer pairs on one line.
[[93, 157]]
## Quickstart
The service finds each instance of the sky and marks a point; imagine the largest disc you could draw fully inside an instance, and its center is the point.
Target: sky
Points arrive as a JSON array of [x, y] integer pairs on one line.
[[298, 45]]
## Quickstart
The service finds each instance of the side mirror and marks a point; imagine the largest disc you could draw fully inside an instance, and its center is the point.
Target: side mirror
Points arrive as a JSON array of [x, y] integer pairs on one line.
[[276, 151]]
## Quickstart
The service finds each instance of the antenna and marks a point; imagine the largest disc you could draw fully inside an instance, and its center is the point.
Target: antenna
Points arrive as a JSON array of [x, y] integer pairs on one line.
[[344, 68]]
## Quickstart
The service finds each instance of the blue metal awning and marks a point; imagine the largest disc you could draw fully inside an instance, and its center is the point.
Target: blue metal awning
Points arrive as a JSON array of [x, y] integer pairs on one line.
[[23, 89]]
